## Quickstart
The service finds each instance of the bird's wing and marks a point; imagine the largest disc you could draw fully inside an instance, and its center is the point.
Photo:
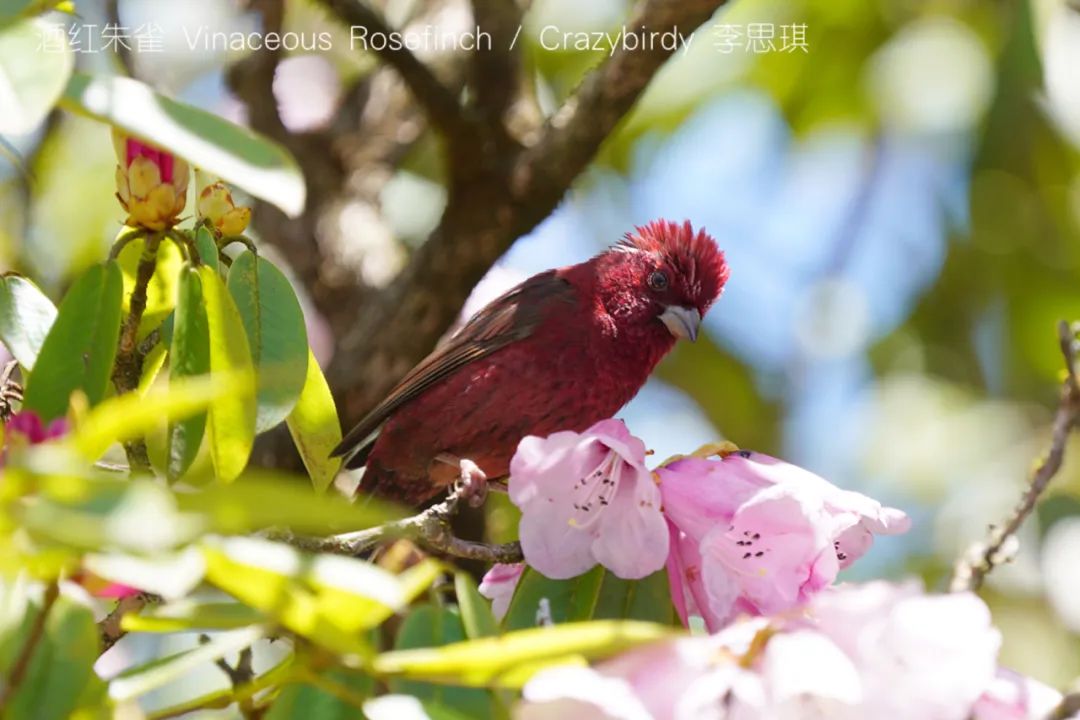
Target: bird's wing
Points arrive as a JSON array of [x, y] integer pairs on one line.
[[510, 318]]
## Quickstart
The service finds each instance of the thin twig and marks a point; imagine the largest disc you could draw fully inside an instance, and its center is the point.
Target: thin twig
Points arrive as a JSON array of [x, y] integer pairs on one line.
[[1067, 708], [22, 662], [430, 529], [240, 675], [982, 557], [10, 390], [110, 629], [123, 241], [442, 106]]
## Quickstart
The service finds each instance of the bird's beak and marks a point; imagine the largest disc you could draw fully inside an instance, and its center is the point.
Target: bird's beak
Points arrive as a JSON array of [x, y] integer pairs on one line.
[[682, 322]]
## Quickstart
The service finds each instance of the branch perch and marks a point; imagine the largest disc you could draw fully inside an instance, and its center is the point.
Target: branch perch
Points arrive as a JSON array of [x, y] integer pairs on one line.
[[429, 529], [982, 557], [109, 627]]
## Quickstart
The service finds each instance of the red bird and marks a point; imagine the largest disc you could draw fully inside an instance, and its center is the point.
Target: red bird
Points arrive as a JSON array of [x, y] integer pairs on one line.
[[561, 351]]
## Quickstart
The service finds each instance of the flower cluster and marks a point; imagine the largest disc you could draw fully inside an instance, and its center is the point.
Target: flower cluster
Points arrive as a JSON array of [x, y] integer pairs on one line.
[[151, 183], [740, 533], [871, 651]]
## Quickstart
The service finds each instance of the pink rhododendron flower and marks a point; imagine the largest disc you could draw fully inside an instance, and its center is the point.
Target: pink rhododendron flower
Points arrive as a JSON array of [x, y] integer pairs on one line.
[[28, 426], [918, 656], [498, 585], [683, 678], [1012, 696], [858, 652], [587, 498], [753, 534]]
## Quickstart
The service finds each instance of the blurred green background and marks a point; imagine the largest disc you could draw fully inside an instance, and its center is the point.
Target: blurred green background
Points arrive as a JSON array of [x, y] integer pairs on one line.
[[899, 200]]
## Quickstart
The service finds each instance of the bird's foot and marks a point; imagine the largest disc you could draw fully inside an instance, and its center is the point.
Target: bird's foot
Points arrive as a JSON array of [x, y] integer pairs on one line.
[[474, 484], [471, 480]]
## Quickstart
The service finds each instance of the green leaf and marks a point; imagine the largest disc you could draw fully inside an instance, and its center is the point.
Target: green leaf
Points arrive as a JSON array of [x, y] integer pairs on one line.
[[25, 318], [207, 247], [258, 501], [645, 599], [189, 355], [123, 417], [429, 626], [571, 600], [78, 352], [331, 600], [507, 660], [239, 156], [323, 697], [158, 673], [61, 667], [475, 609], [315, 427], [231, 423], [101, 512], [192, 615], [32, 73], [276, 333], [595, 595]]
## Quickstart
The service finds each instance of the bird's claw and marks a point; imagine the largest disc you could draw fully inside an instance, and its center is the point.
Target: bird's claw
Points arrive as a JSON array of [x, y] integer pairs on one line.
[[473, 482]]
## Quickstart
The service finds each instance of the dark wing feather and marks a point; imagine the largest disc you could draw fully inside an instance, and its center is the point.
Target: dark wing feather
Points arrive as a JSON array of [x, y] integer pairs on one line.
[[509, 318]]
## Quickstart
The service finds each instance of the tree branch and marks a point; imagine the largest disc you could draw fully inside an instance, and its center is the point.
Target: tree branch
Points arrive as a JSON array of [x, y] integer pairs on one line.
[[21, 664], [571, 137], [494, 70], [442, 106], [982, 557], [430, 529], [494, 197]]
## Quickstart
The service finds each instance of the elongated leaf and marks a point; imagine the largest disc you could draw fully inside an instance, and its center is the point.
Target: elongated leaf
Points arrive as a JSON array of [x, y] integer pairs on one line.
[[571, 600], [331, 600], [476, 613], [645, 599], [276, 333], [61, 667], [33, 72], [258, 501], [189, 355], [25, 318], [492, 660], [595, 595], [239, 156], [311, 701], [127, 416], [315, 427], [232, 418], [157, 674], [79, 350], [429, 626], [207, 248], [191, 615]]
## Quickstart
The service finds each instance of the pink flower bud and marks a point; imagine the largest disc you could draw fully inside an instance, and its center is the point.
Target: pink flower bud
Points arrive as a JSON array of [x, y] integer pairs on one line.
[[151, 184]]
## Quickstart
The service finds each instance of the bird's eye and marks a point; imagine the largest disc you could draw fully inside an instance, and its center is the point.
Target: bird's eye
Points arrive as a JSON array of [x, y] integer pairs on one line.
[[658, 280]]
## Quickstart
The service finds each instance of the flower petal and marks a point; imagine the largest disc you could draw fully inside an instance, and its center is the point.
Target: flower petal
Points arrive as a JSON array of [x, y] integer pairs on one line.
[[632, 538]]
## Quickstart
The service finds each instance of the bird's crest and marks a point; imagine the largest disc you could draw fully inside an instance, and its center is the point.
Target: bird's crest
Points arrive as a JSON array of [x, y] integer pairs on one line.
[[695, 255]]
